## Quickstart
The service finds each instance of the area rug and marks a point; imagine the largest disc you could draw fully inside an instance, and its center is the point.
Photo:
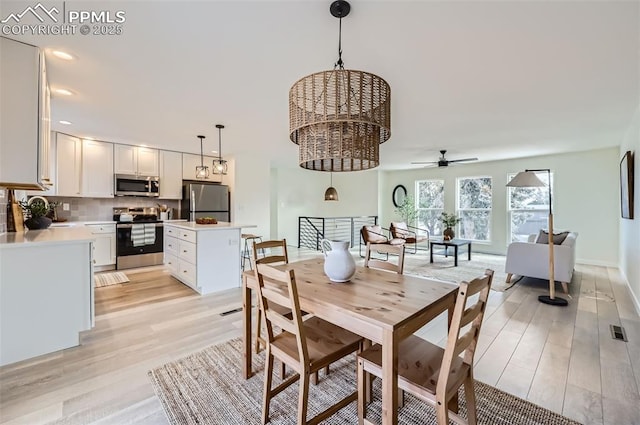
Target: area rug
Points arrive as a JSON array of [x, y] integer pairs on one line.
[[207, 388], [443, 267], [107, 279]]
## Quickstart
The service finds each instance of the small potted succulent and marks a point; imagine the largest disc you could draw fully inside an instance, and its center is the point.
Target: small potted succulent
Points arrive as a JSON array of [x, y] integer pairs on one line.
[[449, 221], [36, 210]]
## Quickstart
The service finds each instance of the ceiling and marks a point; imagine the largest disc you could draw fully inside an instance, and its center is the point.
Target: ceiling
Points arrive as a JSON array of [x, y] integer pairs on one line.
[[485, 79]]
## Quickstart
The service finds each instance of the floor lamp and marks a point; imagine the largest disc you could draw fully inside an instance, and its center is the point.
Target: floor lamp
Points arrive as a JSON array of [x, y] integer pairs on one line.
[[528, 178]]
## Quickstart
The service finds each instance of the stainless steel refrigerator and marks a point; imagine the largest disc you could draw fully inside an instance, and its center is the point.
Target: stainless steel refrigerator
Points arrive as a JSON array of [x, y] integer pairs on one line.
[[205, 200]]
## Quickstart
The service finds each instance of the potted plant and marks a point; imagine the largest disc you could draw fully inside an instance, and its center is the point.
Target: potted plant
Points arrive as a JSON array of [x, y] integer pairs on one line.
[[36, 210], [449, 221], [407, 210]]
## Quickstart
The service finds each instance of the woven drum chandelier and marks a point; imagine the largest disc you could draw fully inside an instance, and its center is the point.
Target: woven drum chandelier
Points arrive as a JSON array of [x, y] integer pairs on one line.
[[339, 118]]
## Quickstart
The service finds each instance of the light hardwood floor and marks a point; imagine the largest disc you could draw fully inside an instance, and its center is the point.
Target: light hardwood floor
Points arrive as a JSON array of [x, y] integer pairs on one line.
[[561, 358]]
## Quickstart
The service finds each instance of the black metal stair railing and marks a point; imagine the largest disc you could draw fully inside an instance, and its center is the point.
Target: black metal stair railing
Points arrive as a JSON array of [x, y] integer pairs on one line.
[[311, 230]]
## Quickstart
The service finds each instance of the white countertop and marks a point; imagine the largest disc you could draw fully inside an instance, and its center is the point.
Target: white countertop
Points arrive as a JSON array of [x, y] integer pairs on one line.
[[79, 223], [55, 235], [222, 225]]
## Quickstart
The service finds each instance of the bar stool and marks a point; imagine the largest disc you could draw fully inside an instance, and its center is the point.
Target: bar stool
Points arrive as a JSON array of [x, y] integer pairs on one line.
[[246, 253]]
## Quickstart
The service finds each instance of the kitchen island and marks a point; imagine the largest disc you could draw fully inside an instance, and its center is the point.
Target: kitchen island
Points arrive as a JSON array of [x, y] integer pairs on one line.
[[46, 291], [205, 257]]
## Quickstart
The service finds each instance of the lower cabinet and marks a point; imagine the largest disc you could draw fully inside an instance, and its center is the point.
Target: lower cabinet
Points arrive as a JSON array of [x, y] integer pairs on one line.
[[104, 248], [206, 260]]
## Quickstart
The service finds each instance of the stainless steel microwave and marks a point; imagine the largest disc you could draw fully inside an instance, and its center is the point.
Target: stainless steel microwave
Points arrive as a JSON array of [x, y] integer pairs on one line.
[[130, 185]]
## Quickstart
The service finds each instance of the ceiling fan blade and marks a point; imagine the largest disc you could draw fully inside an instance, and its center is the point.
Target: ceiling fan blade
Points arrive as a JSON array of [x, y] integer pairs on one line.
[[464, 159], [424, 162]]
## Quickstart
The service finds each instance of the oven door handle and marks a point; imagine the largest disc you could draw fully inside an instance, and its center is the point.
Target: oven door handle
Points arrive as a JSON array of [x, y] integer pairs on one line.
[[130, 225]]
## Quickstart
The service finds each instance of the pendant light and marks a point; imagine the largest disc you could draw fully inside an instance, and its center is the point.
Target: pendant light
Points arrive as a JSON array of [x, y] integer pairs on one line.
[[202, 171], [219, 165], [331, 194], [339, 118]]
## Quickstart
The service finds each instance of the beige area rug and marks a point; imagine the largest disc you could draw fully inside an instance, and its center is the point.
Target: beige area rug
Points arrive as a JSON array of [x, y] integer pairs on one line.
[[207, 388], [442, 267], [107, 279]]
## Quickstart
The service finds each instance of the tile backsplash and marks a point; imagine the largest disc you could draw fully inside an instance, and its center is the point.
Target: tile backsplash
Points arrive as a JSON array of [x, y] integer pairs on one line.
[[88, 209], [3, 210], [96, 209]]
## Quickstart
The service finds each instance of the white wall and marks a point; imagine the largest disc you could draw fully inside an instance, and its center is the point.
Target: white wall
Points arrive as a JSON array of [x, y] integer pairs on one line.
[[301, 193], [585, 198], [630, 229], [250, 192]]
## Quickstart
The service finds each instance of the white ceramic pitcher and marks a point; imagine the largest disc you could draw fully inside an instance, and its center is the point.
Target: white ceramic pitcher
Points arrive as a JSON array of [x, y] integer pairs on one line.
[[339, 265]]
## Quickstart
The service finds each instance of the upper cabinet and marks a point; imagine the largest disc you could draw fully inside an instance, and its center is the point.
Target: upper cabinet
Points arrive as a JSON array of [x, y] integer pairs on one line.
[[189, 164], [68, 164], [170, 175], [97, 169], [24, 113], [136, 160]]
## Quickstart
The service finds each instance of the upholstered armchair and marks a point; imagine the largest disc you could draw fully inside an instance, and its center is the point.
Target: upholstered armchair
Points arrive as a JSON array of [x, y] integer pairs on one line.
[[410, 234], [531, 259], [374, 235]]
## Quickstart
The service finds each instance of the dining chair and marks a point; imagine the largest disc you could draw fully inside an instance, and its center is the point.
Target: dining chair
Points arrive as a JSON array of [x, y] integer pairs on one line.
[[429, 372], [395, 250], [280, 256], [305, 346]]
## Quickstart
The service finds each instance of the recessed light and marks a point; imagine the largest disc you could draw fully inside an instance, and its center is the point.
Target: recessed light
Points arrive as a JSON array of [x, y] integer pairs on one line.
[[89, 138], [65, 122], [64, 92], [214, 151], [62, 55]]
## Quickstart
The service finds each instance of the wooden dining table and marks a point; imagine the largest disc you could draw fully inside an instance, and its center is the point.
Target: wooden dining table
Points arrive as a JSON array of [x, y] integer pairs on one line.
[[378, 305]]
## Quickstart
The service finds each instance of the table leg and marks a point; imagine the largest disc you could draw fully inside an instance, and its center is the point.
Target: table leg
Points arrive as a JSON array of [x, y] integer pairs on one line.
[[389, 378], [431, 254], [469, 252], [455, 252], [246, 328]]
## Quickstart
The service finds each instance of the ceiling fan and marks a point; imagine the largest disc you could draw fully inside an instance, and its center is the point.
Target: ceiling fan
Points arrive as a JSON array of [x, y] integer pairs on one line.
[[444, 162]]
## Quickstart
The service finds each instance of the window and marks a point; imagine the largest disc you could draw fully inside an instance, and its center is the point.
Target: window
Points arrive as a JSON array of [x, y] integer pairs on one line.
[[528, 208], [474, 208], [430, 204]]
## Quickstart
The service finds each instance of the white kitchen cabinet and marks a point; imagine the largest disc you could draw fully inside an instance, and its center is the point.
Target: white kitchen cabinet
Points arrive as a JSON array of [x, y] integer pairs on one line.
[[24, 116], [104, 248], [68, 165], [189, 164], [203, 257], [44, 136], [97, 169], [170, 175], [136, 160]]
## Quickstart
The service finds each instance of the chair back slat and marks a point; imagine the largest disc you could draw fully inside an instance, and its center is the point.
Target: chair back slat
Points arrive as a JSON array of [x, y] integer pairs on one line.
[[466, 343], [396, 250], [281, 257], [277, 282]]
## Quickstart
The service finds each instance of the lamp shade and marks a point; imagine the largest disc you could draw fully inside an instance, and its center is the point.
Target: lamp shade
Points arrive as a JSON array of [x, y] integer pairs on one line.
[[331, 194], [526, 179], [339, 118]]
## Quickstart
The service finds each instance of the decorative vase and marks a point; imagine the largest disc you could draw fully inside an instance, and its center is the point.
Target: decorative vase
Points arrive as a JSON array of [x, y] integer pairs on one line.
[[448, 234], [37, 223], [339, 265]]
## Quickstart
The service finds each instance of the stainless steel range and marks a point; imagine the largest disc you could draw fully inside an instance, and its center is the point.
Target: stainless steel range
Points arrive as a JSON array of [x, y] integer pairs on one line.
[[139, 237]]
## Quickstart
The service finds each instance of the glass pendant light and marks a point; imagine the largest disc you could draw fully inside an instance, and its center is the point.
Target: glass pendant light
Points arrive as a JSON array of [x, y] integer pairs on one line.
[[202, 171], [219, 165]]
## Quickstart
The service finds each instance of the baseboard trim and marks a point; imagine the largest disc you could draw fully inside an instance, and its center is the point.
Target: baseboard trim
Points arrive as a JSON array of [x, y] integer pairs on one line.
[[634, 298], [596, 263]]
